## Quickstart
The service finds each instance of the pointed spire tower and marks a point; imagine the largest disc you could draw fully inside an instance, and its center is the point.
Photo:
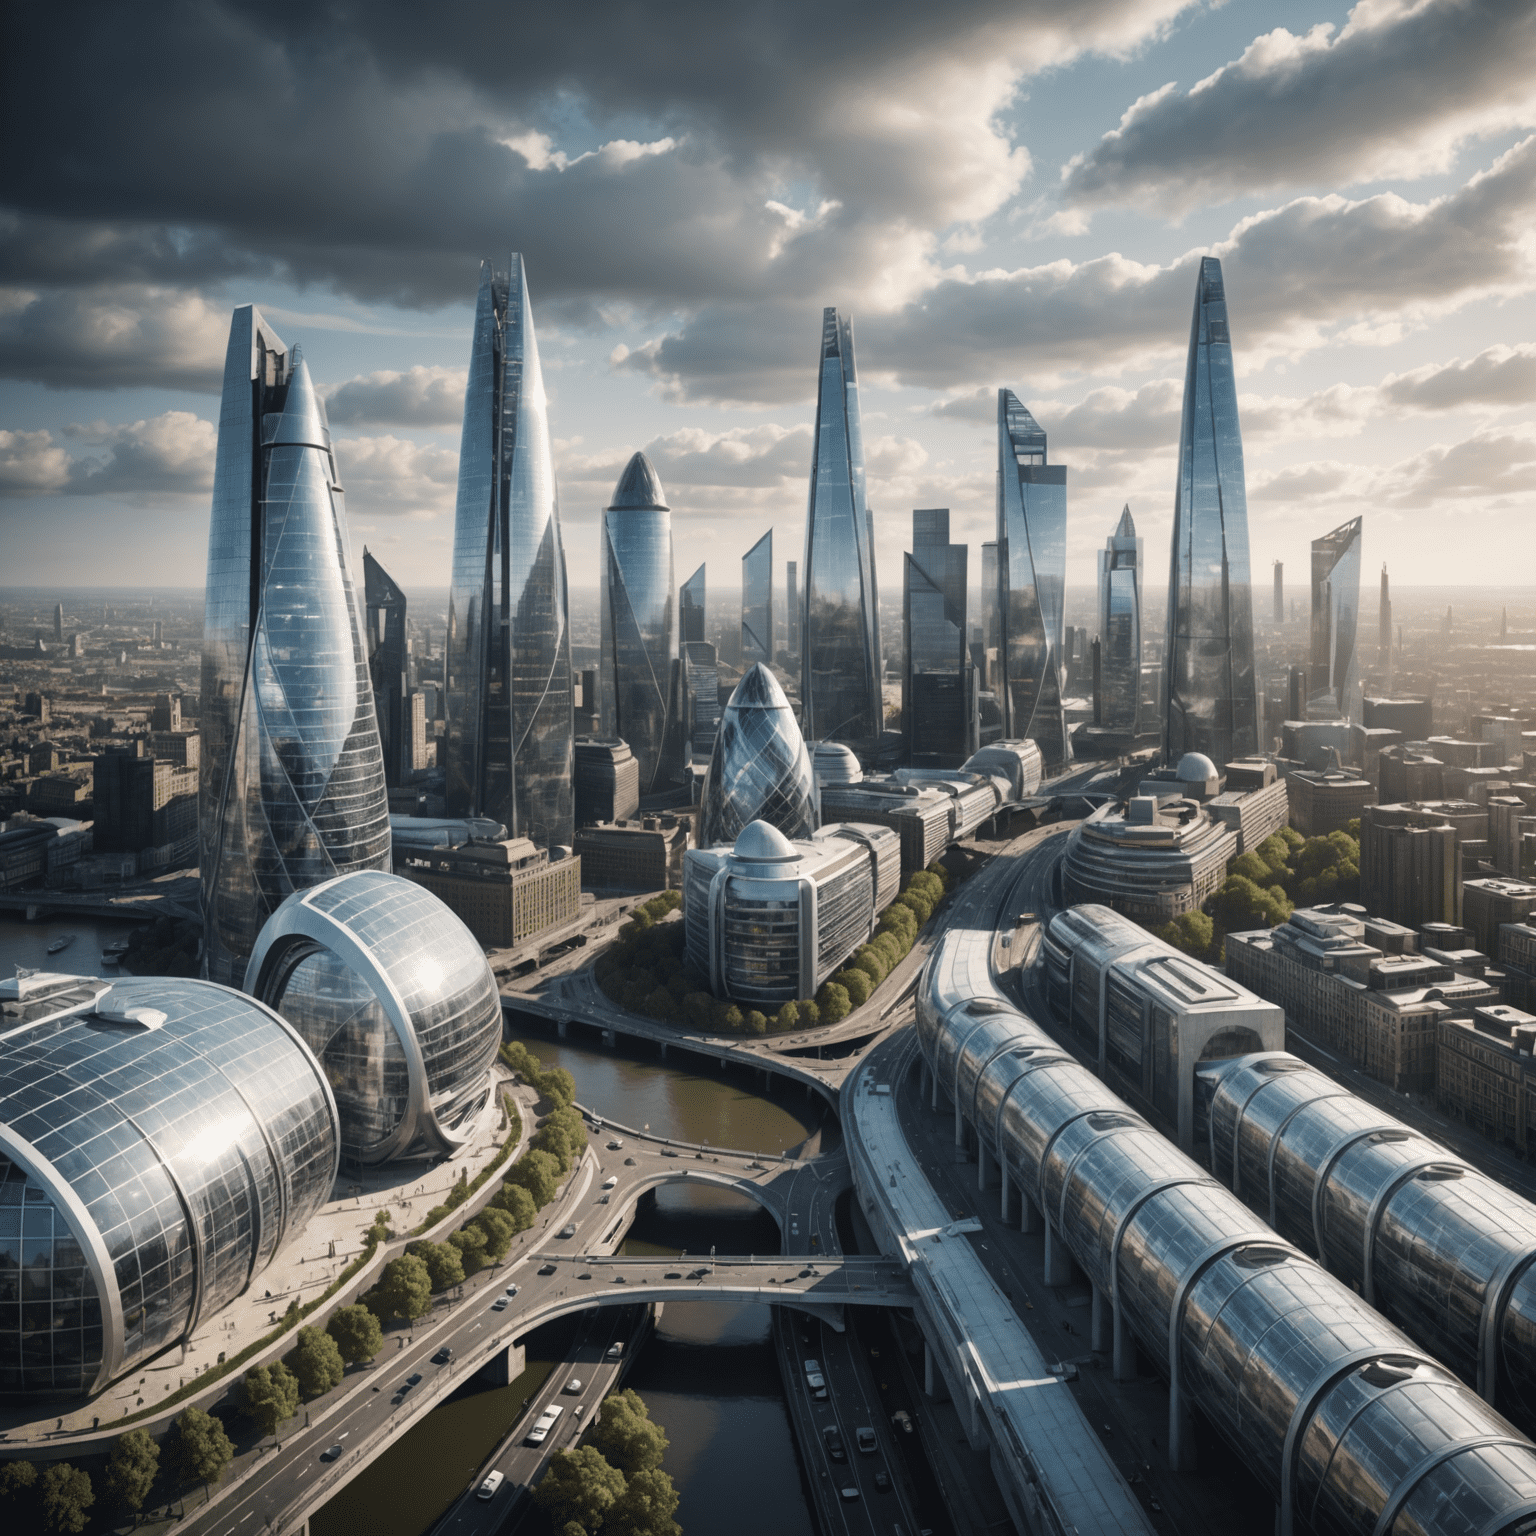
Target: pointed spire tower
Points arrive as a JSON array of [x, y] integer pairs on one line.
[[510, 694], [1208, 657], [1334, 676], [1120, 576]]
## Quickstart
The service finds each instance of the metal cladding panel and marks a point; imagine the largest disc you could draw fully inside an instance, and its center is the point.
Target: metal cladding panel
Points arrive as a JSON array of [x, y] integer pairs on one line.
[[999, 1077], [998, 1033], [1056, 1095], [759, 769], [1208, 655]]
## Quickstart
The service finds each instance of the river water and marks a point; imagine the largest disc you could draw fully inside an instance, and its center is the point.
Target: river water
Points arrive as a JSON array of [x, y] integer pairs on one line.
[[707, 1372], [26, 944]]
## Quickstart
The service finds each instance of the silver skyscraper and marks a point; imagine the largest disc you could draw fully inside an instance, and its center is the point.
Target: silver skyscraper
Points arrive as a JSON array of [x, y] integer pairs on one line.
[[757, 602], [1120, 563], [292, 777], [1334, 677], [509, 644], [638, 664], [690, 609], [1032, 579], [840, 619], [1212, 706]]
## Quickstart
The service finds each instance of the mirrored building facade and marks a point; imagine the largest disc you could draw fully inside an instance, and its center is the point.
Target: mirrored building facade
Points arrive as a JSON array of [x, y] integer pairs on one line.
[[1032, 579], [1120, 568], [759, 769], [792, 606], [690, 609], [291, 781], [938, 682], [757, 603], [1334, 676], [393, 995], [388, 669], [840, 618], [161, 1139], [510, 692], [638, 663], [1208, 656]]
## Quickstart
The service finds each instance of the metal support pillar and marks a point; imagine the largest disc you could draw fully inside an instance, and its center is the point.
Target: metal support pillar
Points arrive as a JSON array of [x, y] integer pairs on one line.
[[1181, 1434], [981, 1163], [959, 1124], [1003, 1192], [933, 1089], [1029, 1214], [561, 1028], [1101, 1328], [1123, 1360], [1058, 1260]]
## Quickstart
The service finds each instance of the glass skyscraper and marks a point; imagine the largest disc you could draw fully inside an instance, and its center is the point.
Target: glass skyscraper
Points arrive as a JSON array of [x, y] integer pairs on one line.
[[638, 673], [291, 781], [1208, 665], [1032, 579], [792, 606], [1334, 678], [510, 690], [840, 619], [757, 602], [690, 609], [937, 683], [1120, 564], [385, 605]]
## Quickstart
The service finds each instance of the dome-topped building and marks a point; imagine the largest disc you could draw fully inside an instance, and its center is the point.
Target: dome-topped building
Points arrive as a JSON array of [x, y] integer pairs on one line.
[[759, 770]]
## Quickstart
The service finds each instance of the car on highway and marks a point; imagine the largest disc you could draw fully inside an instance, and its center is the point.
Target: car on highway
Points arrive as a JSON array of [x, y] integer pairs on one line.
[[812, 1367], [616, 1144], [413, 1380], [611, 1182], [629, 1162], [815, 1382], [333, 1454], [850, 1494], [834, 1439], [673, 1274], [902, 1420], [865, 1439], [543, 1424], [443, 1356], [616, 1351], [511, 1290], [546, 1269], [698, 1274], [573, 1386], [882, 1480], [487, 1489], [669, 1151], [499, 1305], [568, 1230]]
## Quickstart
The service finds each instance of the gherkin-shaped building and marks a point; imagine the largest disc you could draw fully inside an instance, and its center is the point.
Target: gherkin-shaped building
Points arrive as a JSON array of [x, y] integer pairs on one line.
[[1208, 658], [291, 784], [759, 769], [510, 691], [637, 673]]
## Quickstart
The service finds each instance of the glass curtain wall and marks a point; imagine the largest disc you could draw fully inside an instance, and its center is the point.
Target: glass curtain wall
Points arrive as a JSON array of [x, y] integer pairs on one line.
[[385, 606], [291, 783], [792, 605], [757, 603], [840, 633], [1208, 666], [1120, 567], [1335, 674], [510, 688], [690, 610], [1032, 572]]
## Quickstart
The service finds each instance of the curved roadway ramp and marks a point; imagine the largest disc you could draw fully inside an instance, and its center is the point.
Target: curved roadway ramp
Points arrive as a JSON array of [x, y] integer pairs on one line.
[[1054, 1472]]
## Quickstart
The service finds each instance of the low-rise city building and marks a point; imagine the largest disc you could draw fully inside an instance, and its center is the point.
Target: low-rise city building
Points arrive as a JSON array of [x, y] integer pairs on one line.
[[641, 854], [506, 891], [1327, 800], [1485, 1072], [145, 805], [1489, 903]]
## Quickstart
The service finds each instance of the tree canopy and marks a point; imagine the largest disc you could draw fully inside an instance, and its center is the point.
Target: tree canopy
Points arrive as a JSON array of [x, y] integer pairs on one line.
[[579, 1485], [357, 1334], [203, 1450], [271, 1396]]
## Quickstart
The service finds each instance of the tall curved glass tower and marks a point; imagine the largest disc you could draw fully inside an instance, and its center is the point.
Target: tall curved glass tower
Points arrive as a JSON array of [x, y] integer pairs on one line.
[[292, 776], [840, 620], [1208, 666], [509, 688], [1032, 578], [690, 609], [638, 671], [1120, 563], [1334, 681], [757, 602]]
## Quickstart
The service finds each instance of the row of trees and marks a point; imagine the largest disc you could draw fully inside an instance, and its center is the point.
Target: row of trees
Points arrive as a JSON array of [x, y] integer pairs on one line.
[[614, 1483], [646, 969], [1264, 885]]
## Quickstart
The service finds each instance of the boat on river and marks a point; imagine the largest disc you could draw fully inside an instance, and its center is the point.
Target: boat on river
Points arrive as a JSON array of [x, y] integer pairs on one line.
[[63, 941]]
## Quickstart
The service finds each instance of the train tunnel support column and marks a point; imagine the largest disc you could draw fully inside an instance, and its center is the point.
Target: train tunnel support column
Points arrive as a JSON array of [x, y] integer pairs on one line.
[[981, 1163], [934, 1384], [1058, 1259], [663, 1050], [1101, 1329], [1029, 1214], [561, 1028], [959, 1124], [933, 1087], [1004, 1193], [504, 1367], [1122, 1348]]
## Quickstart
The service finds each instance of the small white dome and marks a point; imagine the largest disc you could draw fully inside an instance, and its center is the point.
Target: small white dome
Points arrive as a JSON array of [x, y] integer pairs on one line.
[[763, 844], [836, 764], [1196, 768]]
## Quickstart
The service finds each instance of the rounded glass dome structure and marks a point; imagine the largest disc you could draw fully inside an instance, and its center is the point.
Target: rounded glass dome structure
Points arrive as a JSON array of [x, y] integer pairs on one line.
[[759, 769], [392, 992], [160, 1139]]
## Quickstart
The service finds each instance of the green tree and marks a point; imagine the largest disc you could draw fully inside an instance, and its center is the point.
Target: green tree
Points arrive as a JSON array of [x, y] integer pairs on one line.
[[16, 1479], [929, 884], [499, 1229], [696, 1009], [557, 1084], [856, 984], [580, 1486], [1192, 932], [833, 1002], [645, 1508], [521, 1060], [469, 1240], [315, 1361], [573, 1528], [131, 1471], [357, 1334], [754, 1022], [444, 1266], [553, 1138], [872, 963], [1240, 905], [627, 1435], [515, 1200], [271, 1395], [787, 1018], [917, 902], [203, 1450], [404, 1289], [810, 1014], [539, 1174], [66, 1497]]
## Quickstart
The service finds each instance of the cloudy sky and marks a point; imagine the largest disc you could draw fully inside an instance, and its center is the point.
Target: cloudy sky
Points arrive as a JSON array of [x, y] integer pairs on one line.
[[1013, 193]]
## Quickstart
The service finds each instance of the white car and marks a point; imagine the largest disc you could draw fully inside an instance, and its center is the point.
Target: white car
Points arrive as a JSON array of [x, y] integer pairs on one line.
[[546, 1422], [487, 1489], [611, 1182], [573, 1386]]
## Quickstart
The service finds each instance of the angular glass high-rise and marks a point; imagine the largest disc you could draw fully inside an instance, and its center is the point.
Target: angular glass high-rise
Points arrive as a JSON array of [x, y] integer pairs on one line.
[[1120, 566], [840, 610], [1334, 676], [509, 688], [690, 609], [792, 606], [1211, 704], [759, 769], [757, 603], [385, 606], [638, 682], [1384, 623], [1032, 580], [1279, 591], [291, 783]]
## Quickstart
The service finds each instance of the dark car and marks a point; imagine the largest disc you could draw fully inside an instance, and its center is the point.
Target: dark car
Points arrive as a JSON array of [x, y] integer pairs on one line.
[[332, 1454], [882, 1480], [414, 1379], [834, 1441], [674, 1274], [669, 1151], [443, 1356], [546, 1269]]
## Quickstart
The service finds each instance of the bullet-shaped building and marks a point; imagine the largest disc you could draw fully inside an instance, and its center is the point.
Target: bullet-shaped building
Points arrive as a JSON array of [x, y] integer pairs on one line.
[[291, 780], [840, 617], [1032, 579], [638, 663], [1334, 676], [1120, 568], [1212, 707], [510, 693], [757, 603]]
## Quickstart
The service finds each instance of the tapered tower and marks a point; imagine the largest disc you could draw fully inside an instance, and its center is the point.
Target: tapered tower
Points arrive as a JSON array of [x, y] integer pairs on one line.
[[1120, 568], [1334, 676]]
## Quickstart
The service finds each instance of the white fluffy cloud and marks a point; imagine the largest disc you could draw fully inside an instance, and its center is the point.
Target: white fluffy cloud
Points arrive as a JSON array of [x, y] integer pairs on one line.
[[166, 455], [418, 397], [398, 477]]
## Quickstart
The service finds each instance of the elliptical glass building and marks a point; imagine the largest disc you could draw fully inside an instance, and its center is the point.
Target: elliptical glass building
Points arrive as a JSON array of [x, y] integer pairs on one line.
[[1032, 580], [840, 620], [1120, 565], [291, 783], [757, 603], [1334, 678], [759, 769], [509, 686], [1208, 658], [638, 663]]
